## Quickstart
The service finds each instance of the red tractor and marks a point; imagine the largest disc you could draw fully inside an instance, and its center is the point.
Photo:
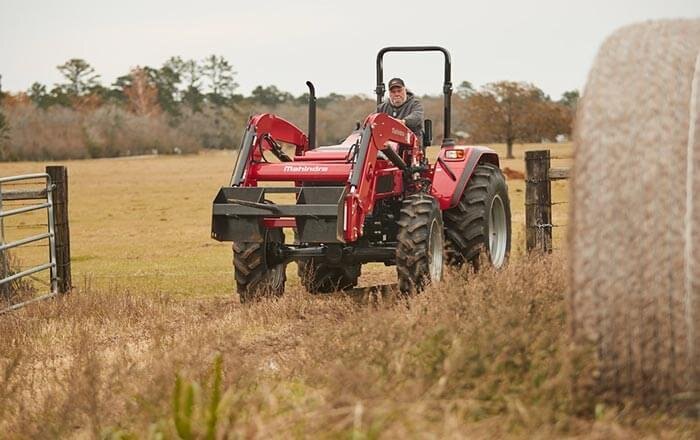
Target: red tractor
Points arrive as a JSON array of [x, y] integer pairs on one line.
[[372, 198]]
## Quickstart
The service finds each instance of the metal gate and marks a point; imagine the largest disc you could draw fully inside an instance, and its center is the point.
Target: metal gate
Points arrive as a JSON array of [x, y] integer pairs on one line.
[[44, 202]]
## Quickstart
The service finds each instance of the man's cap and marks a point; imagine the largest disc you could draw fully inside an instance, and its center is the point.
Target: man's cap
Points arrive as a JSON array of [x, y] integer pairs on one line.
[[396, 82]]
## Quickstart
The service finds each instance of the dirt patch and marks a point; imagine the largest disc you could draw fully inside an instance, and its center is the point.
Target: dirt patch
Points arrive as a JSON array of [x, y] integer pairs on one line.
[[512, 174]]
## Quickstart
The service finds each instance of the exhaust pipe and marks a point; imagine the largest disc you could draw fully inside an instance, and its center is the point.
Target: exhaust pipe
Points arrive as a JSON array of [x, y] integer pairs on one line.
[[312, 115]]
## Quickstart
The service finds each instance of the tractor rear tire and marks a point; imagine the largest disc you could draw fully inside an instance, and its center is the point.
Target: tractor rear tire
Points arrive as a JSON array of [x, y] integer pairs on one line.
[[255, 278], [419, 254], [320, 277], [479, 226]]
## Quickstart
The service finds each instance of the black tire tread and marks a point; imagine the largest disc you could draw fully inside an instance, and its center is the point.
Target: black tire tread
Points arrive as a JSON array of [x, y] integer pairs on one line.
[[466, 224], [253, 277], [412, 265]]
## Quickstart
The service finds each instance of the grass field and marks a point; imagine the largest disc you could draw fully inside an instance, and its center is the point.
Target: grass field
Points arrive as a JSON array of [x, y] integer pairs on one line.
[[153, 343], [144, 223]]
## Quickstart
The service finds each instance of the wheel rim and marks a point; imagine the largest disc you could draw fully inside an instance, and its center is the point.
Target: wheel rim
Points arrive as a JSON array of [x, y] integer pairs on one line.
[[498, 232], [276, 276], [436, 248]]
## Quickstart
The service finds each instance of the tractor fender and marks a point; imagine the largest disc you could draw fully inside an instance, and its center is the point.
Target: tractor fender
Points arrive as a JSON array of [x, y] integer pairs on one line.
[[450, 176]]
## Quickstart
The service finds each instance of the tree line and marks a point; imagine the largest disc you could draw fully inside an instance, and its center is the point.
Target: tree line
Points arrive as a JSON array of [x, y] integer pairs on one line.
[[185, 105]]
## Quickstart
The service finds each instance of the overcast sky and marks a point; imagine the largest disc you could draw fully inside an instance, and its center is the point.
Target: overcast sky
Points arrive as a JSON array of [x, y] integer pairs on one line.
[[549, 43]]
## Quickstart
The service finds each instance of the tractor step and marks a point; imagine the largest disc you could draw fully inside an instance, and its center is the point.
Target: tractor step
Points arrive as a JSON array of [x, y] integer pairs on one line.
[[239, 213]]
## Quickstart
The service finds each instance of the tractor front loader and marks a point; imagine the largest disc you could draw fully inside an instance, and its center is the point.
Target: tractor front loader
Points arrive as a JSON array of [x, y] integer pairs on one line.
[[372, 198]]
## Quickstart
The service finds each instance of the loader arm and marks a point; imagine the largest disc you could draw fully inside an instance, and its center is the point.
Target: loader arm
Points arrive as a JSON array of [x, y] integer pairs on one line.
[[379, 131], [260, 128]]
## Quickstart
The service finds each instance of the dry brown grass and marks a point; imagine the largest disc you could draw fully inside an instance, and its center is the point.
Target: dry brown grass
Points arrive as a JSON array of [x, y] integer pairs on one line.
[[15, 290], [486, 356], [483, 356]]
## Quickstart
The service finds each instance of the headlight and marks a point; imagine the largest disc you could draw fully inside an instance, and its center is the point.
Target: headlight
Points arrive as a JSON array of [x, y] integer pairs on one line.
[[454, 154]]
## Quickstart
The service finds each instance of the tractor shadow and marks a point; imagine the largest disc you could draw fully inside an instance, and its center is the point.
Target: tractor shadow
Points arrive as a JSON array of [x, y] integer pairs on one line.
[[369, 295]]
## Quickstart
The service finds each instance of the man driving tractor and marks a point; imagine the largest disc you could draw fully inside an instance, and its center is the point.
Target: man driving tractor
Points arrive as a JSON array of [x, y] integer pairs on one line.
[[403, 105]]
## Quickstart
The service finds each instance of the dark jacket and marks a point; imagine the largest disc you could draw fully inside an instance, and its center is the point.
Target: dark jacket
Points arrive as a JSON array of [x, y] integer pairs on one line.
[[411, 111]]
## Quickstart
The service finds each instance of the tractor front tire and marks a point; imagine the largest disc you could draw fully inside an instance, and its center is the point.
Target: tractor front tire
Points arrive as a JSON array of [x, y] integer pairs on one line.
[[419, 254], [320, 277], [479, 226], [255, 278]]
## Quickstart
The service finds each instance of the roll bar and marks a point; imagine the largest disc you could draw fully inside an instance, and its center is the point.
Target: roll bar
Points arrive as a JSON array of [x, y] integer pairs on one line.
[[446, 87]]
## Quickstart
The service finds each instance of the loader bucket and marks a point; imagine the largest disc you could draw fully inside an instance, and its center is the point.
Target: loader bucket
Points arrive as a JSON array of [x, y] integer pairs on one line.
[[239, 213]]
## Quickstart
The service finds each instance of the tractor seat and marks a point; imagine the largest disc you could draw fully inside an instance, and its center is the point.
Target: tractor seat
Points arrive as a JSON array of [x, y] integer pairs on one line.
[[340, 148], [334, 152], [343, 146]]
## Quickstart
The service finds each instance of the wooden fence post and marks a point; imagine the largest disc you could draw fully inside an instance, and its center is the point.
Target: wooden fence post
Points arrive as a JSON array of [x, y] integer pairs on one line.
[[538, 201], [59, 177]]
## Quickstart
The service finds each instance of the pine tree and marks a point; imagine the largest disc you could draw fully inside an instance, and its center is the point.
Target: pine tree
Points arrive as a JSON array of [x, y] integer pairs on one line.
[[80, 76], [219, 74]]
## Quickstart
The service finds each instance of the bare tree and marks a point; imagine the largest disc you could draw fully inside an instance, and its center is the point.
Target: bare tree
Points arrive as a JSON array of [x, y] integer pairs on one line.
[[142, 93]]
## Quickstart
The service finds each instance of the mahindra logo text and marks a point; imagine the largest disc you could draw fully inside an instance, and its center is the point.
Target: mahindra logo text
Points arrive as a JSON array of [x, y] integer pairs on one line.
[[398, 132], [305, 169]]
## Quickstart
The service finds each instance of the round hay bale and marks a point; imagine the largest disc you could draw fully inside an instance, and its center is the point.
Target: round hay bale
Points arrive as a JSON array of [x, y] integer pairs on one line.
[[634, 297], [692, 238]]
